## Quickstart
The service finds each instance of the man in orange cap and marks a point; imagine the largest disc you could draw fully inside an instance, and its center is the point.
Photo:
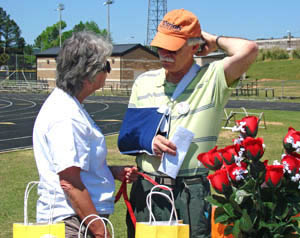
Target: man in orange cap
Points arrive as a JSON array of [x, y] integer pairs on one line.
[[196, 97]]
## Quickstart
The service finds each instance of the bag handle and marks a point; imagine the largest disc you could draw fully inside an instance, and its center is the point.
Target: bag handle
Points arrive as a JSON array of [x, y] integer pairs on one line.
[[170, 199], [97, 217], [164, 187], [29, 187]]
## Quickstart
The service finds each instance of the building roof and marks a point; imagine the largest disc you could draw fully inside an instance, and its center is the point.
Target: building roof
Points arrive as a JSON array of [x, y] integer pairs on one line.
[[49, 52], [118, 50], [122, 49]]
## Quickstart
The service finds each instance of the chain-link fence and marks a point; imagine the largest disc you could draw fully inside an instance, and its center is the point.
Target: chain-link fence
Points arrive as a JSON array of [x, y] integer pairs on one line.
[[17, 67]]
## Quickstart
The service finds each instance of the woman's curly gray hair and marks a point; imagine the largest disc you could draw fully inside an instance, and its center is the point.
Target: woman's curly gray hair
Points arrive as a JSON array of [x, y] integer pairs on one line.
[[81, 57]]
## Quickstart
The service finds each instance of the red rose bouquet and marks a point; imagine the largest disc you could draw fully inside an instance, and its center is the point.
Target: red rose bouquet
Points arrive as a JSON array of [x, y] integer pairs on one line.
[[254, 198]]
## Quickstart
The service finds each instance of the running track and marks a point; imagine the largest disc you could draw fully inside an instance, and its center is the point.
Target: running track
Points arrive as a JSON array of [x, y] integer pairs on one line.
[[18, 113]]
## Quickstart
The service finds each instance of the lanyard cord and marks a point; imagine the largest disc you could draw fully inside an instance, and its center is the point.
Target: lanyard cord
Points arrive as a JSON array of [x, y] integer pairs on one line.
[[184, 82]]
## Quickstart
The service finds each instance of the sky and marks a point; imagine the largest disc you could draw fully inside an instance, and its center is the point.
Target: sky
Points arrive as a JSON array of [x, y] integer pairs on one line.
[[250, 19]]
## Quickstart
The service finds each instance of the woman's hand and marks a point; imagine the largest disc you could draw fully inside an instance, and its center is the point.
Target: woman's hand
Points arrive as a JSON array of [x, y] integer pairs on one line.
[[125, 172], [130, 174]]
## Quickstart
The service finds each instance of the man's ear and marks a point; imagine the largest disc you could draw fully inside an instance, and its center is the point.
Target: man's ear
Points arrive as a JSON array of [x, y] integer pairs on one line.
[[196, 48]]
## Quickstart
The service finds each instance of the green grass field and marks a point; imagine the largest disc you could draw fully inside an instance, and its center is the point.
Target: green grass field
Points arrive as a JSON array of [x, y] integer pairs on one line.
[[276, 69], [281, 75], [18, 168]]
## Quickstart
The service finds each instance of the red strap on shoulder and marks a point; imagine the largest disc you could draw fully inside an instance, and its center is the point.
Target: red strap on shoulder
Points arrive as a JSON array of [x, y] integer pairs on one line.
[[123, 191]]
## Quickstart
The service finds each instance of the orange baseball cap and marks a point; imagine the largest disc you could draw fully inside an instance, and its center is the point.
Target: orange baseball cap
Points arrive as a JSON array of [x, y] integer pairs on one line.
[[175, 28]]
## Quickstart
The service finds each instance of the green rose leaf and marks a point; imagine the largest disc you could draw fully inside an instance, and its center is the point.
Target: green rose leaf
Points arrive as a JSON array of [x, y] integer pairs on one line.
[[281, 209], [245, 222], [214, 200], [236, 229], [229, 209], [249, 185], [220, 215], [220, 199]]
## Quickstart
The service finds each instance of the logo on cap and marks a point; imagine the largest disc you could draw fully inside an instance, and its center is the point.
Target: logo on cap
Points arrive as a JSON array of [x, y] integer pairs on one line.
[[170, 26]]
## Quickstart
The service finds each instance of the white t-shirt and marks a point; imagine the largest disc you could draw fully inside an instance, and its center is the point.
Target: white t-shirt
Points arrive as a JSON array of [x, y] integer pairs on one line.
[[64, 135]]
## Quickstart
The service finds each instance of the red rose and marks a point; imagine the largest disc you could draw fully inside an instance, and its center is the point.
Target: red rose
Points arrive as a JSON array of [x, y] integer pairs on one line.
[[274, 174], [220, 181], [236, 172], [292, 140], [228, 153], [292, 162], [250, 126], [211, 159], [254, 149]]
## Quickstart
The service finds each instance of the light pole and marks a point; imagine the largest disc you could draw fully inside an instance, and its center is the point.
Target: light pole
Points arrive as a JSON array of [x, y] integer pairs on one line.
[[108, 2], [289, 36], [60, 8]]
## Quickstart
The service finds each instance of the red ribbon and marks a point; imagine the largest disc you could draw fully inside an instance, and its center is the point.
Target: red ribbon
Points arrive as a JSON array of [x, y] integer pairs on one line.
[[123, 191]]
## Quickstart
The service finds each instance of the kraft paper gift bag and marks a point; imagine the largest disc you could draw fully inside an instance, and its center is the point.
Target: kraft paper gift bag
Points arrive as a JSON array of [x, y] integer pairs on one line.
[[38, 230], [161, 229], [97, 217]]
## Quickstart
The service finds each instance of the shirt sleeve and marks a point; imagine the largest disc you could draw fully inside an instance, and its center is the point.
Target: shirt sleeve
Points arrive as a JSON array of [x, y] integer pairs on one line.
[[69, 145], [222, 91], [133, 101]]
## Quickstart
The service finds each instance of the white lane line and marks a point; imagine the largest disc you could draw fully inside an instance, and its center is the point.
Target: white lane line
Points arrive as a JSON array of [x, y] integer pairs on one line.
[[6, 123], [21, 109], [16, 138], [10, 103], [15, 149], [104, 109]]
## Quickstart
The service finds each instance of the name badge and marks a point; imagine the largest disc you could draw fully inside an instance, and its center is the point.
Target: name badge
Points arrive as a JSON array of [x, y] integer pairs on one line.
[[183, 108]]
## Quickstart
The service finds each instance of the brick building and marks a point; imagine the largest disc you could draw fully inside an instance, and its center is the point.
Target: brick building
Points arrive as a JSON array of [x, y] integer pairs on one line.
[[127, 61]]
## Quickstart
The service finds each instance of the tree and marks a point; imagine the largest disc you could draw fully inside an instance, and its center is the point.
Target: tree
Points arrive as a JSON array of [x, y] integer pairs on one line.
[[89, 26], [10, 34], [50, 37]]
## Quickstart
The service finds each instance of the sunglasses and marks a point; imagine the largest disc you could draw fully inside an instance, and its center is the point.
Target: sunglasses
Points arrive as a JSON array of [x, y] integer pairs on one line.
[[107, 67], [169, 51]]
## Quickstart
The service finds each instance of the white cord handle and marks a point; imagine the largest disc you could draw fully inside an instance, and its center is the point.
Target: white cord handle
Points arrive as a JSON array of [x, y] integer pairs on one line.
[[163, 186], [97, 217], [152, 189], [171, 200], [29, 187]]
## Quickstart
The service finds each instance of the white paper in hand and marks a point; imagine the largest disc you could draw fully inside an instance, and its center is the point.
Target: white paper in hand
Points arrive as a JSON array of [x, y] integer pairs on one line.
[[170, 164]]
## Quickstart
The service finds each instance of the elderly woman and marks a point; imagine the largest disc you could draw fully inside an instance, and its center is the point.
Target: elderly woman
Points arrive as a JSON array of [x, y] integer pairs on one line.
[[69, 148]]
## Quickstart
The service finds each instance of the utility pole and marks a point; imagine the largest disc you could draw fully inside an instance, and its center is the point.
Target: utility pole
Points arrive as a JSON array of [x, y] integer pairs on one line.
[[108, 2], [60, 8]]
